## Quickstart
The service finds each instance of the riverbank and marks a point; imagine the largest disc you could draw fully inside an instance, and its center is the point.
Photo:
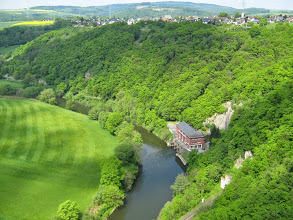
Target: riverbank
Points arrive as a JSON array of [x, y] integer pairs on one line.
[[158, 171]]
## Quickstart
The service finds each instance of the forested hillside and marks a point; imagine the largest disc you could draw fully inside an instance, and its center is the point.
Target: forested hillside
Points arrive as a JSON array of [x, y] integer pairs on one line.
[[150, 9], [29, 15], [171, 71], [157, 72]]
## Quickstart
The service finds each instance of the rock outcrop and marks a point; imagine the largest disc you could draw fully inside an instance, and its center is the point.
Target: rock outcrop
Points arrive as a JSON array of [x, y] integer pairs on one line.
[[221, 121], [239, 161], [225, 181]]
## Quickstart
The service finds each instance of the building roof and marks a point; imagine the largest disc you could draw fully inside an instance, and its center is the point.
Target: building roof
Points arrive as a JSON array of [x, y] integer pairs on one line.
[[189, 131]]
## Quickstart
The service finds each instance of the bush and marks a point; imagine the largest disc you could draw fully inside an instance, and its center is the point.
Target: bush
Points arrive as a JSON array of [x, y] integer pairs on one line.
[[6, 89], [103, 117], [95, 111], [68, 210], [110, 195], [48, 96], [70, 105], [31, 92], [113, 121], [19, 92]]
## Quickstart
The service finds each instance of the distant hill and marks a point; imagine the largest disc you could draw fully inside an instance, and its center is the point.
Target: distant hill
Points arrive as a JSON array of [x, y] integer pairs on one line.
[[147, 9], [31, 15]]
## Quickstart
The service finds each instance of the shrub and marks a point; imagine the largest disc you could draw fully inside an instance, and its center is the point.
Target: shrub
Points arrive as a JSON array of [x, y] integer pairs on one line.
[[6, 89], [68, 210], [48, 96], [113, 121], [31, 92], [110, 195]]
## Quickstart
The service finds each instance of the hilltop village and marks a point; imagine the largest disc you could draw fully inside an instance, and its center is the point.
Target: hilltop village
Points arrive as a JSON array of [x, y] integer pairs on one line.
[[222, 18]]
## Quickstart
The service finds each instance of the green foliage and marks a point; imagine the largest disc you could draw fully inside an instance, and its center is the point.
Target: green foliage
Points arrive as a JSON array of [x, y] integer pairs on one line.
[[95, 111], [125, 153], [103, 117], [61, 88], [6, 89], [31, 92], [48, 96], [112, 172], [109, 195], [254, 31], [180, 184], [224, 14], [68, 210], [237, 15], [113, 121], [263, 22], [70, 105]]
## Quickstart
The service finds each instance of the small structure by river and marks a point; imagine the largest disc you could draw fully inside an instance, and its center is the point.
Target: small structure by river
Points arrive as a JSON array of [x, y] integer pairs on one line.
[[186, 139]]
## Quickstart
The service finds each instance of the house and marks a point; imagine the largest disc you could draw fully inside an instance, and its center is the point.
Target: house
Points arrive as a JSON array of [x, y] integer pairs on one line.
[[206, 20], [188, 137], [279, 18], [289, 19]]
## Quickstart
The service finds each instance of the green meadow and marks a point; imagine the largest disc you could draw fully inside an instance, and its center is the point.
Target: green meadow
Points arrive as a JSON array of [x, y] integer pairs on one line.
[[13, 84], [47, 155]]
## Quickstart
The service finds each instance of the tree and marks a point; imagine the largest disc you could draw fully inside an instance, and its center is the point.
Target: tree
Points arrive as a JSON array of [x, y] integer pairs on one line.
[[113, 121], [179, 185], [263, 22], [109, 195], [6, 89], [237, 15], [224, 14], [68, 210], [103, 117], [112, 172], [48, 96], [254, 31], [125, 131], [61, 89], [31, 92], [125, 153], [95, 111]]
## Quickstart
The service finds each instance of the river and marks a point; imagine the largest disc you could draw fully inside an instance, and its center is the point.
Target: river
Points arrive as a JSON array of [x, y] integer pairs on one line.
[[151, 189]]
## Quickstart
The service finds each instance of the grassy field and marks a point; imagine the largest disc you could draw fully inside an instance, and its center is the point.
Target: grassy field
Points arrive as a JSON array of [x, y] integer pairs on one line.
[[16, 23], [47, 155], [33, 23], [15, 85]]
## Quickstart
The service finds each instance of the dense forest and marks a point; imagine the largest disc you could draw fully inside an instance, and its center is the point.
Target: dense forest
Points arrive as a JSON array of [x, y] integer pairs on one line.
[[155, 72]]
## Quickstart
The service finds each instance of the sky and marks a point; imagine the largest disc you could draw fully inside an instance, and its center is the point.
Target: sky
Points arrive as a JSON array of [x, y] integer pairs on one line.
[[269, 4]]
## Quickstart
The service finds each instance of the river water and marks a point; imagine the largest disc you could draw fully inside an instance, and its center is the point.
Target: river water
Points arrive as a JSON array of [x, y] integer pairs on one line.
[[151, 189]]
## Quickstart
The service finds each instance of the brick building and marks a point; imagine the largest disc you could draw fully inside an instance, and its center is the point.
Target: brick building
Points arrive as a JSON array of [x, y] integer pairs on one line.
[[188, 137]]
